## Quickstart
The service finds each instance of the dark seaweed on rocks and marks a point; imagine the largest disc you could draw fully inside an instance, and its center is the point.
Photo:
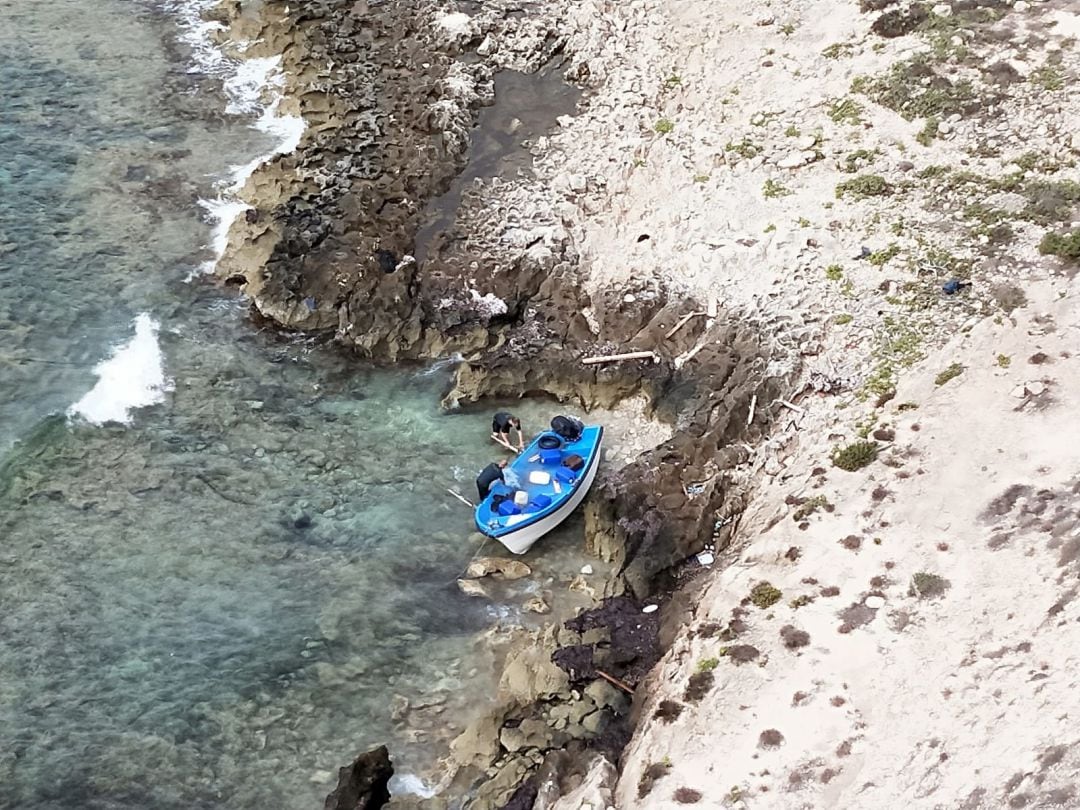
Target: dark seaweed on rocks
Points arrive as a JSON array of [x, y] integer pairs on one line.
[[629, 652]]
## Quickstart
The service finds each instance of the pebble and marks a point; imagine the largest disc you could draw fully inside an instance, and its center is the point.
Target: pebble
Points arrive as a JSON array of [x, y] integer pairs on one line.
[[586, 569], [1020, 5], [806, 142], [1035, 388], [874, 602], [650, 609]]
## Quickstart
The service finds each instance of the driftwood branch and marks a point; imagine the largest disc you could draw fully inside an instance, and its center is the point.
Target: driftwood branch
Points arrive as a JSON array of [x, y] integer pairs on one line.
[[686, 357], [753, 407], [682, 322], [614, 358], [615, 681], [790, 406]]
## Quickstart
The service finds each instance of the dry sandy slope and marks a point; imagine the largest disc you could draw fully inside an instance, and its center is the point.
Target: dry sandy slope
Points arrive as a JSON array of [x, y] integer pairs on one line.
[[932, 700], [963, 699]]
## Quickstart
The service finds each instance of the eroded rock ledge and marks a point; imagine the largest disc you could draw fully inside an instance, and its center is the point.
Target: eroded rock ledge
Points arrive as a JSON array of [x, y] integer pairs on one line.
[[389, 93]]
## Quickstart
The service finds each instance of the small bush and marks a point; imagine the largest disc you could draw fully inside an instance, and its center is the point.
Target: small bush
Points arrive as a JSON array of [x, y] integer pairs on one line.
[[698, 686], [687, 796], [664, 126], [928, 586], [855, 456], [1004, 361], [810, 506], [770, 738], [794, 638], [952, 372], [863, 186], [834, 272], [772, 190], [708, 664], [764, 595], [846, 111], [843, 319], [652, 774], [668, 711], [1066, 245]]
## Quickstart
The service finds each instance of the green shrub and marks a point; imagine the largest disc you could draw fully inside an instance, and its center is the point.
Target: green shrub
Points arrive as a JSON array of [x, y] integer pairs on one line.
[[928, 586], [863, 186], [846, 111], [1066, 245], [664, 126], [708, 664], [855, 456], [764, 595], [952, 372], [834, 272], [772, 189], [843, 319]]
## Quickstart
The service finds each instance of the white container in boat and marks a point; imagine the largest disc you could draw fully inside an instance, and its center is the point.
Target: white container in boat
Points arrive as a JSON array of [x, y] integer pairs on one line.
[[539, 477], [521, 498]]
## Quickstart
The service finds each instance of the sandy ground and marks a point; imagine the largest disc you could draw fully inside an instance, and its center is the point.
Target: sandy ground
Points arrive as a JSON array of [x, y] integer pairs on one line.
[[922, 651]]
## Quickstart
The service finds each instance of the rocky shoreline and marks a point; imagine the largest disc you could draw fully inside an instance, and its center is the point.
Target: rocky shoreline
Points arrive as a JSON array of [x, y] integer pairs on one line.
[[389, 93]]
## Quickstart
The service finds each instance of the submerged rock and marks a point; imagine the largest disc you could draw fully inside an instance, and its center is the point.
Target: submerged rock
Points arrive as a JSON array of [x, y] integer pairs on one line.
[[363, 785], [488, 566]]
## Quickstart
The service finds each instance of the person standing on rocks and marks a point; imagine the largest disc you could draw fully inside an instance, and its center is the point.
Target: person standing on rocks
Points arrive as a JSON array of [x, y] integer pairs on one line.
[[488, 476], [500, 431]]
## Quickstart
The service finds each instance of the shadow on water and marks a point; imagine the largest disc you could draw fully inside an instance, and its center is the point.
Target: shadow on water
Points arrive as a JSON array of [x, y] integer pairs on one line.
[[526, 106]]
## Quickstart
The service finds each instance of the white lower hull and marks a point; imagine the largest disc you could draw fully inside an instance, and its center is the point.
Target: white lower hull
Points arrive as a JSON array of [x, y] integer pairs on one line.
[[520, 541]]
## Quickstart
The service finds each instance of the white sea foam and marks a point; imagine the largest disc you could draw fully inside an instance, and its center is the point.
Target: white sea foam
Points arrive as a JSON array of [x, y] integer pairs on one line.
[[410, 784], [253, 87], [132, 377]]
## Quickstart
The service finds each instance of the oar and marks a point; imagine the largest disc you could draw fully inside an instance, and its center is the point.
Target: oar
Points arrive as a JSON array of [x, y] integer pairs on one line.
[[461, 498]]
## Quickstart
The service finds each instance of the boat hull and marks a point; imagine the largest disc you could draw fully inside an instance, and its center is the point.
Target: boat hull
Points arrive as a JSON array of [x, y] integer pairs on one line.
[[521, 540]]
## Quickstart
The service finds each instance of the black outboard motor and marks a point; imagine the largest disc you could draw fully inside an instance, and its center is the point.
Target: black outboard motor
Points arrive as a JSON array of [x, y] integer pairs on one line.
[[568, 427]]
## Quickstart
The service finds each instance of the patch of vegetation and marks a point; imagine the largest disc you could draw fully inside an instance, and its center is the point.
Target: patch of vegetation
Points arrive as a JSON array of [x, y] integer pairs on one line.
[[1008, 296], [914, 89], [837, 49], [801, 601], [925, 585], [948, 263], [787, 29], [929, 131], [701, 178], [933, 171], [951, 373], [1049, 77], [859, 159], [794, 638], [664, 126], [708, 664], [856, 455], [803, 222], [764, 595], [846, 111], [772, 189], [843, 319], [668, 711], [698, 686], [863, 186], [834, 272], [881, 257], [792, 131], [652, 774], [1049, 201], [810, 506], [899, 346], [770, 228], [674, 80], [907, 406], [744, 148], [770, 738], [685, 795], [1003, 361], [1064, 245]]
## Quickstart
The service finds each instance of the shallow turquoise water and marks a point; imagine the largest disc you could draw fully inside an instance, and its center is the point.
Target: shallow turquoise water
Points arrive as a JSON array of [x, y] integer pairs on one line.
[[214, 605]]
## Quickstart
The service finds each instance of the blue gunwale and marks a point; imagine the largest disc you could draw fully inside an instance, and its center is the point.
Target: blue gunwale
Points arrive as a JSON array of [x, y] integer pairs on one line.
[[587, 446]]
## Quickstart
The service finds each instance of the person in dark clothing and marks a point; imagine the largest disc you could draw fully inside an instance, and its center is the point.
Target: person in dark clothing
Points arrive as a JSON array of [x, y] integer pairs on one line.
[[488, 476], [500, 431]]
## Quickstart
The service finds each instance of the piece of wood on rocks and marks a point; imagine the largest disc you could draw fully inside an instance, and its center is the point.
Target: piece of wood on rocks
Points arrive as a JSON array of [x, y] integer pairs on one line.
[[363, 785], [790, 406], [615, 358], [686, 357], [615, 681], [753, 407], [685, 319]]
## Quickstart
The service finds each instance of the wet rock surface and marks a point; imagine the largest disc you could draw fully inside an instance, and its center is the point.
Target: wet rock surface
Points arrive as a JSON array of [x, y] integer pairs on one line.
[[331, 246], [363, 785]]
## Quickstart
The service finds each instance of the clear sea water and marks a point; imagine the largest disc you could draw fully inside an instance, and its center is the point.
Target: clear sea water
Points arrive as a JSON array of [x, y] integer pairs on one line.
[[214, 604]]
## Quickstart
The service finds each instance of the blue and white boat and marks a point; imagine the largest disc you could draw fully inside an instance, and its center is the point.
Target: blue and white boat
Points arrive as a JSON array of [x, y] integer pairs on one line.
[[551, 477]]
